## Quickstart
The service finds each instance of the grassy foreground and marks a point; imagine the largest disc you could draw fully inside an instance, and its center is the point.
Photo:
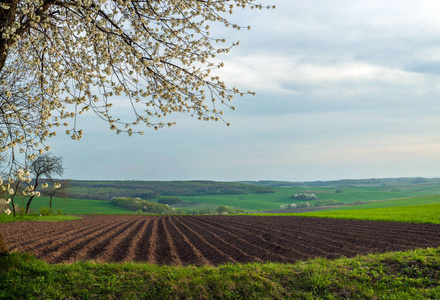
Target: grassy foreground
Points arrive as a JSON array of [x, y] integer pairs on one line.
[[398, 275]]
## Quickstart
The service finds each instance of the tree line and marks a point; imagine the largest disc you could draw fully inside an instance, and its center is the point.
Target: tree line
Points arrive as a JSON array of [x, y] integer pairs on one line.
[[106, 190]]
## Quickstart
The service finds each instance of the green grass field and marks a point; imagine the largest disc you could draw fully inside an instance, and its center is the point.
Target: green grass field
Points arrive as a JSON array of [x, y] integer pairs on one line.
[[425, 209], [272, 201], [267, 201], [282, 196], [429, 213], [393, 203], [4, 218], [77, 206]]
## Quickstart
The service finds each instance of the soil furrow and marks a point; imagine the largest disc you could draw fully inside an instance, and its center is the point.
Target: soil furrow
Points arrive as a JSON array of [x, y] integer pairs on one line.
[[187, 252], [208, 250], [355, 242], [230, 243], [32, 237], [142, 245], [391, 231], [166, 253], [276, 242], [48, 244], [100, 248], [63, 251], [131, 241], [254, 245], [185, 240], [153, 241], [304, 239]]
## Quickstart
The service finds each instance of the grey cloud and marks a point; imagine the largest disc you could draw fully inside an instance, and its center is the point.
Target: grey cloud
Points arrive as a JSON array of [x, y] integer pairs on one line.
[[344, 90]]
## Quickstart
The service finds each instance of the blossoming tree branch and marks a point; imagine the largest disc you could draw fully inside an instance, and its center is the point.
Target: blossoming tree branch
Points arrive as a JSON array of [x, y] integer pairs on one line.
[[60, 58]]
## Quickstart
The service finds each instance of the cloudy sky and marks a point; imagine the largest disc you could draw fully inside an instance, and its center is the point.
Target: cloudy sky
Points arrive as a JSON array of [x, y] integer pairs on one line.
[[345, 89]]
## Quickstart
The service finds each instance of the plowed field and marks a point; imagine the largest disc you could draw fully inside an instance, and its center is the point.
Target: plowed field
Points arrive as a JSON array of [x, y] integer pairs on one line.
[[183, 240]]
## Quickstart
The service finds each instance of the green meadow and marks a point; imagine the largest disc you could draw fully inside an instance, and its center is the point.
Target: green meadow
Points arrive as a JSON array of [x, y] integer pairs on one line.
[[421, 200], [76, 206], [429, 213], [272, 201], [254, 202]]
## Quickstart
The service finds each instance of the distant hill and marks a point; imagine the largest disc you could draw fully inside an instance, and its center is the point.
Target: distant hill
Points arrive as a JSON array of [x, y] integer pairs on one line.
[[106, 190], [374, 182]]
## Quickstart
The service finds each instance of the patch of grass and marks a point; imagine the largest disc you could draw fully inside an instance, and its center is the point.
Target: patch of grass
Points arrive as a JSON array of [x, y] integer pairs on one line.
[[399, 275], [4, 218], [410, 214], [421, 200], [79, 206]]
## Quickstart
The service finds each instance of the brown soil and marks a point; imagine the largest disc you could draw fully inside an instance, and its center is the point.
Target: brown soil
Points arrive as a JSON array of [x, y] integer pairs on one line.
[[199, 240]]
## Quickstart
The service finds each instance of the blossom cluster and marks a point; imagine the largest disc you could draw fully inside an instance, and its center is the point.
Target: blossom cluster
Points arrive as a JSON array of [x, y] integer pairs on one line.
[[10, 189], [4, 206]]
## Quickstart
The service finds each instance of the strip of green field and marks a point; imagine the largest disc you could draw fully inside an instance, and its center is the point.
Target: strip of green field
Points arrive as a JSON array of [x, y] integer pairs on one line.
[[392, 203], [77, 206], [399, 275], [272, 201], [429, 213], [4, 218], [255, 202]]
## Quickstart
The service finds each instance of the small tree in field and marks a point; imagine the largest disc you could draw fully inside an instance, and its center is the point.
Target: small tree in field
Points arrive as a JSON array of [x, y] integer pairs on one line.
[[57, 189], [47, 166]]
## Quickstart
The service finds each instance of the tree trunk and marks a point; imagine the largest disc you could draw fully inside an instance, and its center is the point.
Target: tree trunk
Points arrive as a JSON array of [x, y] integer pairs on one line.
[[32, 197], [29, 204], [3, 247], [50, 204], [13, 207]]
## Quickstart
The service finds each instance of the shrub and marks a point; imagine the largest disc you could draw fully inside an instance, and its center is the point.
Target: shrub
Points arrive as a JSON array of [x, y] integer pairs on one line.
[[59, 211], [304, 196], [170, 200], [303, 205], [327, 202], [222, 209], [44, 211], [288, 206], [142, 205]]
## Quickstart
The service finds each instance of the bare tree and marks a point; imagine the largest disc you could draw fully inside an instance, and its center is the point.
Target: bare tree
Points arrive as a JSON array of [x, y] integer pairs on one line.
[[59, 189], [47, 166]]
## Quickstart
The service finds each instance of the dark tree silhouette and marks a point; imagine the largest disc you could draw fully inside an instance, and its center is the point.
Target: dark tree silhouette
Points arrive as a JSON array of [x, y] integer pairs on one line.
[[47, 166]]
